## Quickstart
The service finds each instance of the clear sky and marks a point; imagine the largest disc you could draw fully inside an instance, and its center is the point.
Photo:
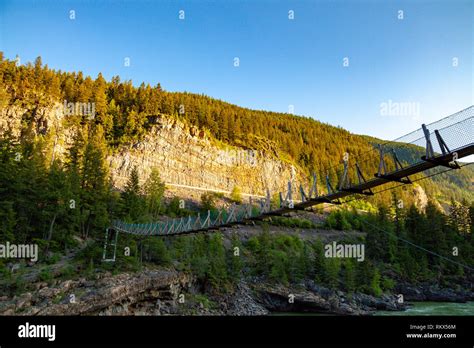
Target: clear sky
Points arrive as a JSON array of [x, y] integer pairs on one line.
[[283, 61]]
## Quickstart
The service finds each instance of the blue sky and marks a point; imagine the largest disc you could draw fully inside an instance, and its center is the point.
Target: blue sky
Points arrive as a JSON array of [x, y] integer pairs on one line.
[[283, 62]]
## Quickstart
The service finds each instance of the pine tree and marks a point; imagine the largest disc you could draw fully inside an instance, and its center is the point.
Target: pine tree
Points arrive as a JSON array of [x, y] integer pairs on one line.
[[349, 276], [132, 199], [94, 183], [99, 97], [319, 261], [217, 273], [235, 259], [154, 189], [333, 267]]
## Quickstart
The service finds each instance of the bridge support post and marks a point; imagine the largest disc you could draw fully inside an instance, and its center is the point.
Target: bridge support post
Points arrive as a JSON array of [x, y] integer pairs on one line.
[[106, 244], [429, 146], [382, 166], [342, 181], [382, 172], [329, 186], [288, 200], [431, 156]]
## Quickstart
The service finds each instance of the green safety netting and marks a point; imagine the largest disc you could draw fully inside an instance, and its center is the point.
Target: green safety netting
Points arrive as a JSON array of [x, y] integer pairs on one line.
[[215, 218]]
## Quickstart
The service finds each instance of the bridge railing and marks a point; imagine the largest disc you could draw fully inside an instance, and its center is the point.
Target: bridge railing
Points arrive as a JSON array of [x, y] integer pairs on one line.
[[455, 131]]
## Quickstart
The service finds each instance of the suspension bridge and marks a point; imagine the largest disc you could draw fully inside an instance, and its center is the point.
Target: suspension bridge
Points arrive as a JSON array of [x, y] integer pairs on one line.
[[440, 144]]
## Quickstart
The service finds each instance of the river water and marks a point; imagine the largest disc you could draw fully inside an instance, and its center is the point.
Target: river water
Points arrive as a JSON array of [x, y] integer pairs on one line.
[[417, 308], [435, 308]]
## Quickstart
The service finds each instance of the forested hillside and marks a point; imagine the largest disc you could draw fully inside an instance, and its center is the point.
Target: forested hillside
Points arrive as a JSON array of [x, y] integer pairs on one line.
[[124, 113], [58, 202]]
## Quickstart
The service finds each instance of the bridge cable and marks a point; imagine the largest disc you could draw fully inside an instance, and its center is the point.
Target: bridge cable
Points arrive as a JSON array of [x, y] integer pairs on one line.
[[418, 246], [401, 185]]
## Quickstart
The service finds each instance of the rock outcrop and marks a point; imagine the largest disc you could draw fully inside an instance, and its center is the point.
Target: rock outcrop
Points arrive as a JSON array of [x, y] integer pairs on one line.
[[146, 292], [433, 292], [310, 297], [185, 156], [187, 160]]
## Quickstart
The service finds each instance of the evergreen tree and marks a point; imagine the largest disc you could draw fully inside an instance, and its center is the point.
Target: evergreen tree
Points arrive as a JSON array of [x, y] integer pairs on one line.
[[132, 198], [235, 259], [94, 191], [99, 97], [154, 189], [217, 273], [349, 276]]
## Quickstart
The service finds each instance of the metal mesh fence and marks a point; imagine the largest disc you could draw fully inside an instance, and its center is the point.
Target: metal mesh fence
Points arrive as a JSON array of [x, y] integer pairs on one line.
[[457, 131]]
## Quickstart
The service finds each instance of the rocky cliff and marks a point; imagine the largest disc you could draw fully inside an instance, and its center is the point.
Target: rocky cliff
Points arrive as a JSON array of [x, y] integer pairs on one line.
[[185, 156]]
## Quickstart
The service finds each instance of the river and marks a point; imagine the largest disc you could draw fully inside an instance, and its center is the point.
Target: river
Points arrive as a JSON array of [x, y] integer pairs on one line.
[[417, 308], [435, 308]]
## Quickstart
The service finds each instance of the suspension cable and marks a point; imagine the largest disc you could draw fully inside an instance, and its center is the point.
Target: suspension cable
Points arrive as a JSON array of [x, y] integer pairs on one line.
[[418, 246]]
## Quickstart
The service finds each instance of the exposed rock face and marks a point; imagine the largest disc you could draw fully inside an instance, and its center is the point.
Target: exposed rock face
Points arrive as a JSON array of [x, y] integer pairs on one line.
[[182, 153], [310, 297], [160, 291], [150, 292], [146, 292], [242, 302], [431, 292], [184, 159], [421, 200]]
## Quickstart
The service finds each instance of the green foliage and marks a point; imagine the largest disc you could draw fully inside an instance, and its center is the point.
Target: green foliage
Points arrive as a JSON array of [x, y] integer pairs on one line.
[[387, 284], [92, 251], [319, 261], [204, 300], [155, 189], [217, 272], [46, 275], [173, 208], [68, 272], [51, 201], [333, 267], [156, 251], [208, 201], [375, 283], [349, 276], [235, 259], [280, 257], [236, 195], [53, 258], [339, 220], [205, 256], [133, 202]]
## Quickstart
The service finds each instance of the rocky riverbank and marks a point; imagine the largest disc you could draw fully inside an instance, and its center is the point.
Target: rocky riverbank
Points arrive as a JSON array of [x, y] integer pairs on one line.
[[433, 292], [312, 298], [169, 292]]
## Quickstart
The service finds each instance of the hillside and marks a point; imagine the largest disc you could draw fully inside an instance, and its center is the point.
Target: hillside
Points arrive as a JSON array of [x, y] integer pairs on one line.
[[134, 120], [77, 153]]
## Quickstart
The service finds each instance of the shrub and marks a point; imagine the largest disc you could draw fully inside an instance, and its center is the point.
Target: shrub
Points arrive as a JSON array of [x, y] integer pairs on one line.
[[375, 288], [208, 201], [156, 251], [46, 275], [388, 283], [236, 195]]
